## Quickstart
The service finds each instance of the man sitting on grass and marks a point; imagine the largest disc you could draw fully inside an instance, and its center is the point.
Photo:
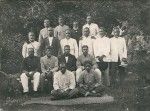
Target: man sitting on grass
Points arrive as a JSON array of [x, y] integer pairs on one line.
[[89, 82], [64, 84]]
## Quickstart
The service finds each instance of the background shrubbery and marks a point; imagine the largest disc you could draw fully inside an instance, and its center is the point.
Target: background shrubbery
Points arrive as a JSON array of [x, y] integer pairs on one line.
[[20, 16]]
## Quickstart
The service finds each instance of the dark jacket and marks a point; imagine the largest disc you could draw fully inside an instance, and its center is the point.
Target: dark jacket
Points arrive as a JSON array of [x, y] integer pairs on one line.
[[70, 64], [55, 45], [31, 64]]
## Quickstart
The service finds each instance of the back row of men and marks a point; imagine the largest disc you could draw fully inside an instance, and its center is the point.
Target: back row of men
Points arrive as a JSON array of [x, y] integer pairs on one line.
[[67, 61]]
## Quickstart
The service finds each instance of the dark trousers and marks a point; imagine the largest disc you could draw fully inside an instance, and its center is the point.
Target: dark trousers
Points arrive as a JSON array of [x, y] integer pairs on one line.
[[117, 74], [57, 94], [46, 82], [100, 90], [104, 68]]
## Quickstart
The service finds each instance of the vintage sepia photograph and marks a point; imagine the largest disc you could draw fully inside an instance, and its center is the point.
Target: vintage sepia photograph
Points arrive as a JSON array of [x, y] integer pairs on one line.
[[74, 55]]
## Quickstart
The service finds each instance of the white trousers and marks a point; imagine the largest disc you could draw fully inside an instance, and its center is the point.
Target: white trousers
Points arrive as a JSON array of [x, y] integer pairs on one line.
[[79, 71], [24, 81]]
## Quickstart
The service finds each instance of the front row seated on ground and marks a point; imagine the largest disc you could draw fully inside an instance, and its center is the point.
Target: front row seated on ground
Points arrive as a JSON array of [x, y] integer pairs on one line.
[[89, 83]]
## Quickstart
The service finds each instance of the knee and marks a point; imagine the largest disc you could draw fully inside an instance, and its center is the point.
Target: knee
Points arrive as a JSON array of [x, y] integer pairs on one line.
[[98, 71], [23, 75], [79, 70], [37, 75]]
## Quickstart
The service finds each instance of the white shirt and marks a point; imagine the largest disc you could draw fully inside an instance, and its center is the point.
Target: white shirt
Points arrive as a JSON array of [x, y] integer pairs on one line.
[[35, 45], [102, 47], [43, 34], [59, 31], [86, 41], [50, 40], [73, 46], [94, 29], [66, 59], [117, 49], [64, 81]]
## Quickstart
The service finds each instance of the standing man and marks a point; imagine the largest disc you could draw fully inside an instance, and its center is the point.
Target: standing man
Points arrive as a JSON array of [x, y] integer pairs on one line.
[[102, 54], [68, 58], [118, 55], [49, 65], [90, 82], [71, 42], [85, 57], [44, 32], [92, 26], [52, 41], [86, 40], [76, 31], [64, 84], [31, 43], [31, 70], [59, 31]]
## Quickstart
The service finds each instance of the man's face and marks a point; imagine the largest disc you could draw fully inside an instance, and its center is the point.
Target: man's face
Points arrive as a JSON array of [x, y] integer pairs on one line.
[[88, 19], [85, 50], [31, 37], [75, 24], [60, 21], [31, 52], [67, 50], [88, 67], [63, 68], [68, 34], [50, 32], [86, 32], [116, 32], [48, 53], [101, 32], [46, 23]]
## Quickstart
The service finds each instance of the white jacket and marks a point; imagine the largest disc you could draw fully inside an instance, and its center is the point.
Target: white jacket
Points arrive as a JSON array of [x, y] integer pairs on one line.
[[117, 49], [102, 47]]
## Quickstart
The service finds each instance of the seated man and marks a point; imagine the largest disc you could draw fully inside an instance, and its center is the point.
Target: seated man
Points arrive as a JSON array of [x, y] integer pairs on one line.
[[64, 84], [68, 58], [90, 82], [82, 58], [31, 70], [49, 65]]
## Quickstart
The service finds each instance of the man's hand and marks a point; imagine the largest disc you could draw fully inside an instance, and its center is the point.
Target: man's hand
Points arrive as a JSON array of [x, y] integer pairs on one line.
[[124, 59], [86, 94], [101, 58]]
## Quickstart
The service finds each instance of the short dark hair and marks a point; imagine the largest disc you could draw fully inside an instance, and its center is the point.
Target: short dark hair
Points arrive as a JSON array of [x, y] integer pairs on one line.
[[88, 62], [85, 46], [67, 46]]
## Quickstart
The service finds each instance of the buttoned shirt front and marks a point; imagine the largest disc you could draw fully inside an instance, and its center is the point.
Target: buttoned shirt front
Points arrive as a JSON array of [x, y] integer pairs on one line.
[[59, 31], [49, 63], [93, 28], [86, 41], [43, 34], [102, 47], [117, 49], [73, 46], [35, 45], [64, 81]]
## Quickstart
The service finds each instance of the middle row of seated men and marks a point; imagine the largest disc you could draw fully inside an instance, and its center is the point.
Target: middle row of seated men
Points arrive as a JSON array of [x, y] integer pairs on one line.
[[60, 73]]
